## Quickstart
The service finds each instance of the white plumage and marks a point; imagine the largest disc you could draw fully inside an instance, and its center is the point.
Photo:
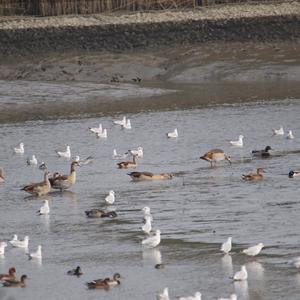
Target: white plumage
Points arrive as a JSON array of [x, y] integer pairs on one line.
[[32, 161], [226, 246], [232, 297], [3, 245], [127, 125], [110, 198], [239, 142], [152, 241], [147, 213], [241, 275], [290, 135], [37, 254], [118, 156], [121, 122], [164, 295], [45, 209], [147, 227], [96, 129], [20, 149], [173, 134], [103, 134], [20, 243], [139, 152], [254, 250], [65, 154], [279, 131], [197, 296]]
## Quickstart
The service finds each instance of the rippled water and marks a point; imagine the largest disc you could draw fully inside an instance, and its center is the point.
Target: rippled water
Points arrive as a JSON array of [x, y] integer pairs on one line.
[[196, 211]]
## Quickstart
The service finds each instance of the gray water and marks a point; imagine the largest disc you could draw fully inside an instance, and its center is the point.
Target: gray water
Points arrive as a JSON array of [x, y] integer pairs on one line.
[[196, 211]]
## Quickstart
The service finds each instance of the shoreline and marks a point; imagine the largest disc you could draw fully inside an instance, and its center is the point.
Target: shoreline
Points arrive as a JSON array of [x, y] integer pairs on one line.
[[25, 36]]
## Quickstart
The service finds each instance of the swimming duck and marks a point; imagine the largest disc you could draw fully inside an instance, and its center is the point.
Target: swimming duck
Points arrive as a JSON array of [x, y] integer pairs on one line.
[[128, 164], [1, 175], [98, 285], [111, 281], [164, 295], [173, 134], [20, 243], [278, 131], [65, 154], [226, 246], [152, 241], [98, 213], [16, 283], [3, 245], [32, 161], [252, 177], [40, 188], [254, 250], [293, 174], [290, 135], [10, 276], [197, 296], [241, 275], [262, 153], [110, 198], [63, 182], [139, 152], [215, 155], [137, 176], [103, 134], [37, 254], [120, 122], [20, 149], [239, 142], [96, 129], [76, 272], [45, 209]]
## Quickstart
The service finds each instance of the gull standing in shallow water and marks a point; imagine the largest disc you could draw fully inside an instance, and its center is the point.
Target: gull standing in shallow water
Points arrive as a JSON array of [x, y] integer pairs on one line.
[[3, 245], [37, 254], [110, 198], [65, 154], [20, 243], [147, 213], [173, 134], [164, 295], [254, 250], [45, 209], [241, 275], [147, 227], [96, 129], [239, 142], [290, 135], [226, 246], [19, 150], [197, 296], [152, 241]]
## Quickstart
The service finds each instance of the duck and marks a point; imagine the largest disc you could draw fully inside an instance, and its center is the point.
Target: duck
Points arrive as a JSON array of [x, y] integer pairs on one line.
[[164, 295], [239, 142], [241, 275], [197, 296], [103, 134], [226, 246], [215, 155], [10, 276], [294, 173], [232, 297], [37, 254], [173, 134], [99, 213], [76, 272], [96, 129], [139, 152], [40, 188], [3, 245], [128, 164], [65, 154], [127, 125], [262, 153], [45, 209], [138, 176], [279, 131], [115, 155], [20, 243], [254, 250], [290, 135], [16, 283], [32, 161], [254, 177], [98, 285], [20, 149], [147, 227], [64, 182], [120, 122], [110, 198], [152, 241], [2, 179]]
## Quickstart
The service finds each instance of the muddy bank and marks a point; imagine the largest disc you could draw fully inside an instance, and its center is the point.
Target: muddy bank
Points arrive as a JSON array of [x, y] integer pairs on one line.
[[240, 23]]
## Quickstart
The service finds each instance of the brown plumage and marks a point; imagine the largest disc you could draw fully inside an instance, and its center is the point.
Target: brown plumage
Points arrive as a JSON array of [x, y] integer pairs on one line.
[[99, 213], [10, 276], [1, 175], [128, 164], [257, 176], [136, 176], [40, 188], [215, 155], [103, 284], [110, 282], [63, 182], [16, 283]]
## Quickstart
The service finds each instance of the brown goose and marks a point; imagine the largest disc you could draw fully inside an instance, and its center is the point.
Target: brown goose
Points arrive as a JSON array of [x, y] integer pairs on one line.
[[16, 283], [215, 155], [257, 176], [63, 182], [1, 175], [137, 176], [128, 164], [40, 188], [10, 276], [103, 284]]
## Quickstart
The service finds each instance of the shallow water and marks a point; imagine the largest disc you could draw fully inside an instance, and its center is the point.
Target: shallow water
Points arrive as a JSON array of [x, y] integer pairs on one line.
[[196, 211]]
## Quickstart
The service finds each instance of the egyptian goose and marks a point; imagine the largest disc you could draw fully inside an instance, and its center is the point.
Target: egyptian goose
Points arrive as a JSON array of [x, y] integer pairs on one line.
[[98, 213], [262, 153], [40, 188], [215, 155], [1, 175], [99, 284], [10, 276], [128, 164], [63, 182], [16, 283], [110, 281], [137, 176], [252, 177]]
